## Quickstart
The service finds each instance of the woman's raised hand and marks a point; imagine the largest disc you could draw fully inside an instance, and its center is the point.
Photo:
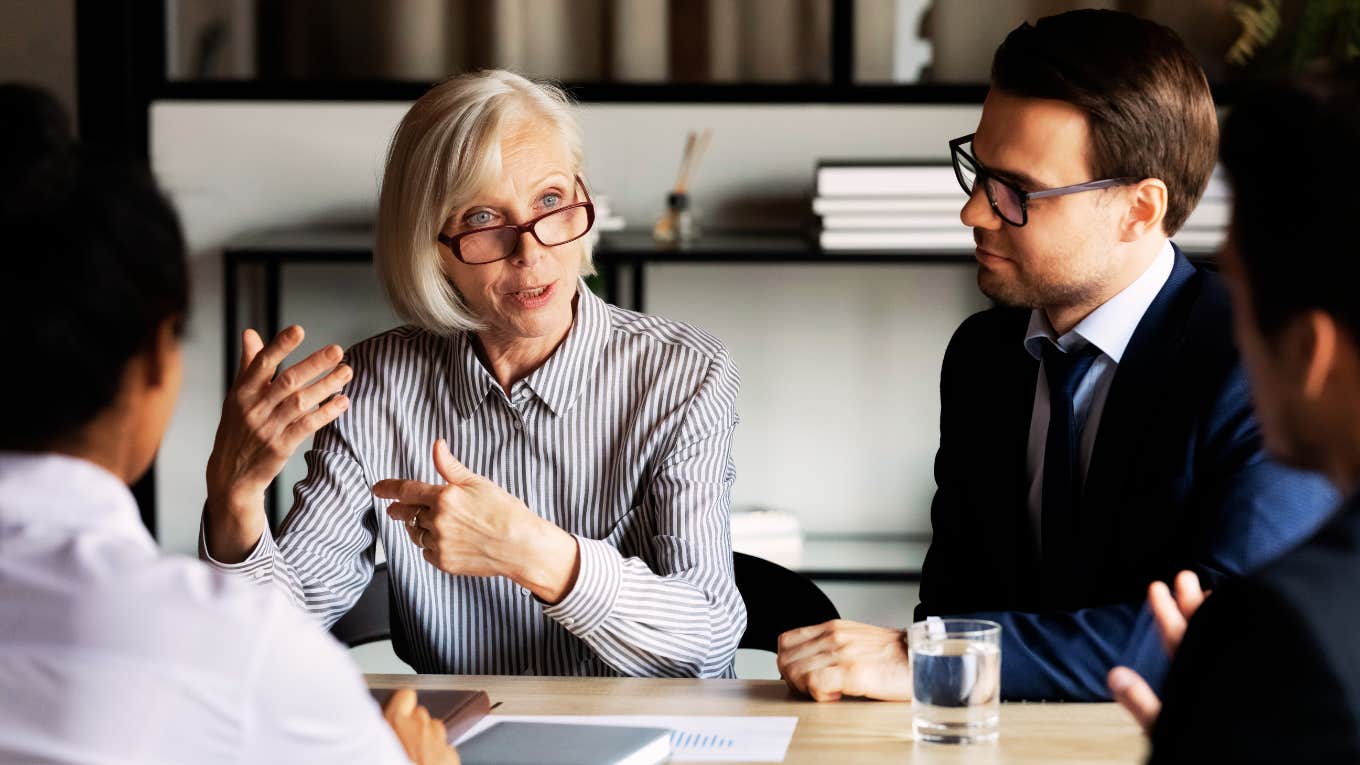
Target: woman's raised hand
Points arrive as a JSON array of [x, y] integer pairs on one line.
[[264, 419]]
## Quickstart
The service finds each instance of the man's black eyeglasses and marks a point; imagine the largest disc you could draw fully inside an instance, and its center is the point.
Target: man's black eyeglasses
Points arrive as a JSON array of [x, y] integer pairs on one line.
[[1008, 201]]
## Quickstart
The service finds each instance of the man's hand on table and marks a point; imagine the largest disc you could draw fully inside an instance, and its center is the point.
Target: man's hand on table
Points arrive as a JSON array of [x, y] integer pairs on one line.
[[1173, 616], [841, 658]]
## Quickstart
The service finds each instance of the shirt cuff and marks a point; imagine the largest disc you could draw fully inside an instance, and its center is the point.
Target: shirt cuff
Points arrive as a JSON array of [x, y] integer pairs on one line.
[[597, 588], [258, 565]]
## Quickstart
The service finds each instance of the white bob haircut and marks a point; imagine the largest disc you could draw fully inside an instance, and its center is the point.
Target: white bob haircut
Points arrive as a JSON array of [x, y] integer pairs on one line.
[[446, 149]]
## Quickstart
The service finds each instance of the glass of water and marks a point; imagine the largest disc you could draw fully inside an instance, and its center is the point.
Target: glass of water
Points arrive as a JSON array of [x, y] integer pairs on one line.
[[956, 680]]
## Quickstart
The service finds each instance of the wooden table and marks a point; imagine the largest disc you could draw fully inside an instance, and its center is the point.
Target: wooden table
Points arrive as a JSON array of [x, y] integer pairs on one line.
[[842, 732]]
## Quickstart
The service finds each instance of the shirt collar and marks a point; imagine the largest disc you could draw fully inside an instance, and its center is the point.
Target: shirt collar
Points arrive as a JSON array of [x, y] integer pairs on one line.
[[474, 382], [46, 489], [1110, 326], [560, 380]]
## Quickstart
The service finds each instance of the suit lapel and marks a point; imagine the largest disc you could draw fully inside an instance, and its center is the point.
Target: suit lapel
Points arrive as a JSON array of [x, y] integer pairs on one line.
[[1013, 385], [1139, 390]]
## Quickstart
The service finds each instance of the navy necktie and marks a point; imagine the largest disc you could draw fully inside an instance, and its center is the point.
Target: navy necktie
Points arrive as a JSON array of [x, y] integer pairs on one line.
[[1062, 466]]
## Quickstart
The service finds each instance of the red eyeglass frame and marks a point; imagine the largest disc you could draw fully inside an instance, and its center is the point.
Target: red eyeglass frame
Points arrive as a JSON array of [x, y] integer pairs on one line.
[[454, 242]]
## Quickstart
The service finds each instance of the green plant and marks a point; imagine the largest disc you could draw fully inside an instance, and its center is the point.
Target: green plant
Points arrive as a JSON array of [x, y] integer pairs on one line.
[[1281, 35]]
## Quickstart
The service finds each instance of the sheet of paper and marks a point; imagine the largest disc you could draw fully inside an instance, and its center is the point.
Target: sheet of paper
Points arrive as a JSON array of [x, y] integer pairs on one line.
[[694, 739]]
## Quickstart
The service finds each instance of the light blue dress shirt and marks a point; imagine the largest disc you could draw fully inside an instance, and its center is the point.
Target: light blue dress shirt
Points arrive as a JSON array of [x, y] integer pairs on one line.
[[1109, 328]]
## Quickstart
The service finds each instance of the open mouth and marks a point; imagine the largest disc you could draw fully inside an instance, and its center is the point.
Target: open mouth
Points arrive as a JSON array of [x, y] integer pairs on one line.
[[534, 296]]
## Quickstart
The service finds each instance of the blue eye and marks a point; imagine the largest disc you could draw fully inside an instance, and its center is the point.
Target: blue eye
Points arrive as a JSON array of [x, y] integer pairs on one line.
[[479, 218], [552, 199]]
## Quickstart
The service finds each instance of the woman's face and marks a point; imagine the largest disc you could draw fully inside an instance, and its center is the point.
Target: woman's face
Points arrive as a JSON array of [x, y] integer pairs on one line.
[[529, 294]]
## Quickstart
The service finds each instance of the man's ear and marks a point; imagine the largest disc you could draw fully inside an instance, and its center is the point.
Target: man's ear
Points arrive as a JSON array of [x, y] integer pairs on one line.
[[1318, 346], [1147, 209]]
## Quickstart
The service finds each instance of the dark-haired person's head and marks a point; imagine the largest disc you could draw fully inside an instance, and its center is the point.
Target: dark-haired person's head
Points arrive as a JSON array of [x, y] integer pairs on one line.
[[1293, 264], [93, 294], [1080, 97]]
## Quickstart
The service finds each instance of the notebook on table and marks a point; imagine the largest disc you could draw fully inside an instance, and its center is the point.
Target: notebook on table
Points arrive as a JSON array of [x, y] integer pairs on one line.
[[521, 743], [459, 710]]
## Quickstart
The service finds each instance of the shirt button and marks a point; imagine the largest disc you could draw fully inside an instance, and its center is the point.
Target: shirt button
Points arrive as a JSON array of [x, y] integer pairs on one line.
[[570, 622]]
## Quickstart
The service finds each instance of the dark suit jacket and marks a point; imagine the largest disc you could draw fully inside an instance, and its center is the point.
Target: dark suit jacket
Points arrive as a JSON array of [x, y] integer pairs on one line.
[[1177, 480], [1269, 670]]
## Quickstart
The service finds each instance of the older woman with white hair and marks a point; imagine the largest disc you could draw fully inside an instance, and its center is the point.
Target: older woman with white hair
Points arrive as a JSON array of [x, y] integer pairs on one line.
[[549, 475]]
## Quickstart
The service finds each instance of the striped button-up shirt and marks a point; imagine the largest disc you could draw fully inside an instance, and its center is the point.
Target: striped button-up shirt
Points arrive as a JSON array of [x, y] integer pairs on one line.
[[622, 438]]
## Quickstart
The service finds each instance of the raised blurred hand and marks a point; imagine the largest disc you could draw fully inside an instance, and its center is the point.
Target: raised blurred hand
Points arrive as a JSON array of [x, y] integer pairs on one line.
[[1172, 614]]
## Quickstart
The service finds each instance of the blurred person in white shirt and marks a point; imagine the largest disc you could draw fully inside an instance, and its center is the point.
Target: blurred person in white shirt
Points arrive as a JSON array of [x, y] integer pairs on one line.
[[111, 651]]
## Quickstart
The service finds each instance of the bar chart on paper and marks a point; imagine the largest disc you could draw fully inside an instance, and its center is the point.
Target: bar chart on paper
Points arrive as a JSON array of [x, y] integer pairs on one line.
[[693, 738], [689, 742]]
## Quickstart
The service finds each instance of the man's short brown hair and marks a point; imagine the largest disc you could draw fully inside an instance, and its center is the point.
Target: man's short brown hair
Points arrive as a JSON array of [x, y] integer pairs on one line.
[[1147, 102]]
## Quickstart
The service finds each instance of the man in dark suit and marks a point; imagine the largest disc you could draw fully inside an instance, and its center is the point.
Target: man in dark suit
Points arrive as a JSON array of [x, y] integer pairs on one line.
[[1096, 430], [1269, 668]]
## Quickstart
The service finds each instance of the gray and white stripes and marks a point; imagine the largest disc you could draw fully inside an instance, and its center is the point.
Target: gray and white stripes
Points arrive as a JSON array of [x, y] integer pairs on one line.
[[623, 438]]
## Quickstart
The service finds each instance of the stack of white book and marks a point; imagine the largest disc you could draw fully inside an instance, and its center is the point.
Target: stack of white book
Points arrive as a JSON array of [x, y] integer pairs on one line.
[[886, 206], [605, 219], [1207, 226], [890, 206]]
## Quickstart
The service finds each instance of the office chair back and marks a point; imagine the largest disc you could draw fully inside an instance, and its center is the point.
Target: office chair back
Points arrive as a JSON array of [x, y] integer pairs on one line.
[[777, 600], [370, 620]]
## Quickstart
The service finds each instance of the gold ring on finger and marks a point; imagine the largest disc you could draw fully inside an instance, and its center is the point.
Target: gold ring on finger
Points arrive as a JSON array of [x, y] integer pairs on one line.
[[415, 518], [420, 541]]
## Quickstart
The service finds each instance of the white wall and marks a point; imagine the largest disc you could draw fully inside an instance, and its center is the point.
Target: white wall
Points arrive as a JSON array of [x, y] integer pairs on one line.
[[840, 363]]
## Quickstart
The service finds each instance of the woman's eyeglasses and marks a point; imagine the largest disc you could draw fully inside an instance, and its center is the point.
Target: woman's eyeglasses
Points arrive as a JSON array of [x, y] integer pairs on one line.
[[1008, 201], [551, 229]]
